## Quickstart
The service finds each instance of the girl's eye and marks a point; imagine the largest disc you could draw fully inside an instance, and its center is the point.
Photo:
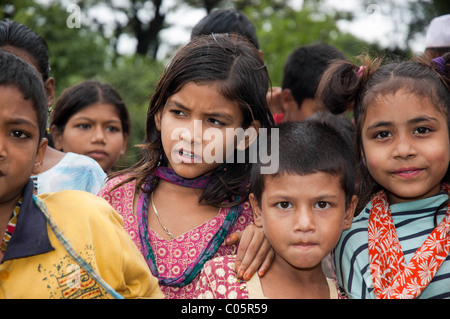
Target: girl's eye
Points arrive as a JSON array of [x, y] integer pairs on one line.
[[19, 134], [422, 130], [177, 112], [215, 122], [284, 205], [113, 129], [322, 205], [382, 134], [83, 126]]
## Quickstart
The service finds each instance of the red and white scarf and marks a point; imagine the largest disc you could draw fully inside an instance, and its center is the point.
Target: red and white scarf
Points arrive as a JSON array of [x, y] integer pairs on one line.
[[392, 278]]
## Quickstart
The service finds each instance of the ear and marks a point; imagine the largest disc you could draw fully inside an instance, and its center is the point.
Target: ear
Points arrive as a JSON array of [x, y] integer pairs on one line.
[[40, 156], [250, 138], [350, 212], [157, 118], [124, 145], [50, 90], [57, 137], [257, 218], [287, 101]]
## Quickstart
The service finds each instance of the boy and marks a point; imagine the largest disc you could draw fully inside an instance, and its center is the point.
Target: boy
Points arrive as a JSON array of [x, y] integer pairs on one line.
[[303, 209], [60, 245]]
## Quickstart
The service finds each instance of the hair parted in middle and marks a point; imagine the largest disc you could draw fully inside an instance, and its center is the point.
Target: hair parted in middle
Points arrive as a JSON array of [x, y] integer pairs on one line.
[[231, 64]]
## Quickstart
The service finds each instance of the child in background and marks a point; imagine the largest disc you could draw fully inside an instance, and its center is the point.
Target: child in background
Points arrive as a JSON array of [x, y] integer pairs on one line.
[[398, 245], [68, 244], [303, 209], [59, 171], [178, 206], [90, 118]]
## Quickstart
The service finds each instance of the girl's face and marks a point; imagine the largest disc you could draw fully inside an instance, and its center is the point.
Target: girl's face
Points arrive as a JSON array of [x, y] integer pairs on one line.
[[406, 145], [94, 131], [303, 226], [193, 126]]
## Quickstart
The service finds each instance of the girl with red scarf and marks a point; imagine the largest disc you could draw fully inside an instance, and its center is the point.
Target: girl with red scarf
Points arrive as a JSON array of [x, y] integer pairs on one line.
[[398, 246]]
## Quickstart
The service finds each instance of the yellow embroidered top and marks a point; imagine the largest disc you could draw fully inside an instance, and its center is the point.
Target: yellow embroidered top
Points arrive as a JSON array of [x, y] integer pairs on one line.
[[37, 265]]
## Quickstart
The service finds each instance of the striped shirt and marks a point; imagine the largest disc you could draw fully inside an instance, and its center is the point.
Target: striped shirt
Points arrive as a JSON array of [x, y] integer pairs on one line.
[[414, 221]]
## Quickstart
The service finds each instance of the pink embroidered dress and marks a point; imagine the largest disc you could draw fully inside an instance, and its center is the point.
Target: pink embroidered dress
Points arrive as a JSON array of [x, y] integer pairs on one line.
[[175, 256], [218, 280]]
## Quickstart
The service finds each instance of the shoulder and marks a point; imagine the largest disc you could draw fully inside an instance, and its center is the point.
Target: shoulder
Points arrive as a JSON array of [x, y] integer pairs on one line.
[[225, 263], [73, 160], [111, 188], [78, 207], [218, 279]]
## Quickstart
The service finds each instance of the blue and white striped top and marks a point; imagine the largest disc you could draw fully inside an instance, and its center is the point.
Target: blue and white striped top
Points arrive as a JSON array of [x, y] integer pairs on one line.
[[414, 221]]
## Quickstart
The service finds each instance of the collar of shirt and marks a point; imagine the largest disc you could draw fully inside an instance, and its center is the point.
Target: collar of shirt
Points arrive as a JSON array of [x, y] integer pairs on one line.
[[30, 236]]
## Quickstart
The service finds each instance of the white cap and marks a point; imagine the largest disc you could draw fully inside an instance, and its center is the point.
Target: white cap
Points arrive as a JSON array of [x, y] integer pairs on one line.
[[438, 33]]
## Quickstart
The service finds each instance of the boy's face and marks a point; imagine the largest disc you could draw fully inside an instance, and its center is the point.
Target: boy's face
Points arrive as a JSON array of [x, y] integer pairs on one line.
[[21, 153], [303, 216]]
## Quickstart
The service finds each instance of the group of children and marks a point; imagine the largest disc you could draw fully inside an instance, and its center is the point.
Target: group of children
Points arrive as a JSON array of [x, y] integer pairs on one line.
[[174, 225]]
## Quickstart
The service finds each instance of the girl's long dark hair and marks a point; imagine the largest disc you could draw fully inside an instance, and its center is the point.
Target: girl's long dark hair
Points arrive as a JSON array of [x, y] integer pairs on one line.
[[234, 66]]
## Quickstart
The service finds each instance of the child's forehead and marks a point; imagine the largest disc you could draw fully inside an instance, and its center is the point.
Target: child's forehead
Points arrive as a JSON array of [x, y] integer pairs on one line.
[[285, 179], [13, 101]]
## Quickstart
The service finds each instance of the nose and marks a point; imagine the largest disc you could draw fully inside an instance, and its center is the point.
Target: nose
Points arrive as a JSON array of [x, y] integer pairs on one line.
[[303, 219], [403, 147], [98, 135], [192, 133]]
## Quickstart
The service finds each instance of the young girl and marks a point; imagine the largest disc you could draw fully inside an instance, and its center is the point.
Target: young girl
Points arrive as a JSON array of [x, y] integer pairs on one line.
[[60, 171], [302, 226], [398, 245], [91, 119], [177, 205]]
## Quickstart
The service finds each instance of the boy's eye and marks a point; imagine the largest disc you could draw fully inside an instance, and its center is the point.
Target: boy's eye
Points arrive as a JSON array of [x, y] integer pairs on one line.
[[284, 205], [19, 134], [422, 130], [322, 205]]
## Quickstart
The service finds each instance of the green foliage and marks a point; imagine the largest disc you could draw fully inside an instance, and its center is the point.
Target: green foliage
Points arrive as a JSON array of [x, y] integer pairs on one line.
[[135, 78], [75, 53]]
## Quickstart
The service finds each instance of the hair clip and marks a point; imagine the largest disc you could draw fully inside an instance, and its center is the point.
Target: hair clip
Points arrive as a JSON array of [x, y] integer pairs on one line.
[[360, 71], [439, 63]]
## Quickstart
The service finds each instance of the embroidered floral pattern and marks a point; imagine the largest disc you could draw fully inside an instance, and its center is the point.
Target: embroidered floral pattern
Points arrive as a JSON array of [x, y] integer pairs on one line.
[[392, 278], [173, 257]]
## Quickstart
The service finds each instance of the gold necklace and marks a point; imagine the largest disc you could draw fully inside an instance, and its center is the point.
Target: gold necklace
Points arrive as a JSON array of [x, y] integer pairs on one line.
[[159, 219]]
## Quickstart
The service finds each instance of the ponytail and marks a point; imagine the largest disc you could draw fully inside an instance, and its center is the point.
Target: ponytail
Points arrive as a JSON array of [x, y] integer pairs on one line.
[[441, 65], [341, 84]]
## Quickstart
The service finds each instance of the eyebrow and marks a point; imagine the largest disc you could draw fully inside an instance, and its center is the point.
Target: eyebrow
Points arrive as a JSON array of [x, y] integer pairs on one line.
[[213, 114], [84, 118], [415, 120], [21, 121]]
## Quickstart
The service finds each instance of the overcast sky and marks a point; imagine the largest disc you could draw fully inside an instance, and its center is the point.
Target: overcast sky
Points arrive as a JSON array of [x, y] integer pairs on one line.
[[373, 23]]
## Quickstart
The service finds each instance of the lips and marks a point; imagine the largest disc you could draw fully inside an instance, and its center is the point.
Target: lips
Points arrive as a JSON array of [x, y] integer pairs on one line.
[[97, 154], [304, 245], [188, 157], [408, 172]]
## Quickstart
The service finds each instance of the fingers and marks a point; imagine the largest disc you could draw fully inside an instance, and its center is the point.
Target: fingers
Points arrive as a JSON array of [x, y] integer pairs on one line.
[[233, 238], [253, 252]]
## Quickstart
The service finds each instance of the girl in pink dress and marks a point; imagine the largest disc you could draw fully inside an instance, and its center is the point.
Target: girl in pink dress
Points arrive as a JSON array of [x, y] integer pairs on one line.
[[189, 191]]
